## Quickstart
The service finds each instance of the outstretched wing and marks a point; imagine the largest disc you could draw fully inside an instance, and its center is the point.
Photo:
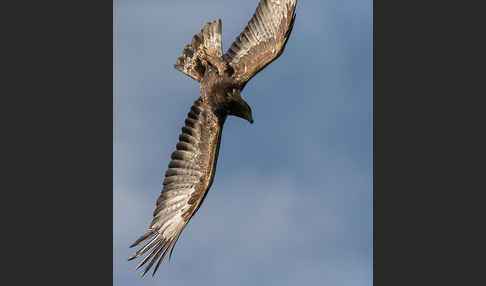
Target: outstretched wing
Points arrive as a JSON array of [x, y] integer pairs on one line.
[[186, 183], [263, 40]]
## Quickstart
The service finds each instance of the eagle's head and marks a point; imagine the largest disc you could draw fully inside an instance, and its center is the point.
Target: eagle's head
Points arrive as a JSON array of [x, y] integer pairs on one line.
[[236, 106]]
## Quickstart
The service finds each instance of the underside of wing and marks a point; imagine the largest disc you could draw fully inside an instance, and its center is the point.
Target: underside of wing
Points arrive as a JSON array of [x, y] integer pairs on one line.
[[263, 39], [184, 187]]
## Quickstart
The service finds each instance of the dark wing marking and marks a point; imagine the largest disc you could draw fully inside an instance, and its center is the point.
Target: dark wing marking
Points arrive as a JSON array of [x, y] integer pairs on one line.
[[185, 184], [210, 39], [263, 39]]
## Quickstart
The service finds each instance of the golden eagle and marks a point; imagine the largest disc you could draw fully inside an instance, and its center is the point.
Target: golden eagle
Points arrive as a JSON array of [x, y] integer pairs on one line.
[[222, 77]]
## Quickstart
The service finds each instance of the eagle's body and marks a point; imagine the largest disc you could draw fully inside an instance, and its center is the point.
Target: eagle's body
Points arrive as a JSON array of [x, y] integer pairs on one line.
[[222, 77]]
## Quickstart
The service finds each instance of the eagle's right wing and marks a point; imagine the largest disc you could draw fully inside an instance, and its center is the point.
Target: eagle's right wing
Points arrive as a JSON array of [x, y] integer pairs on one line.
[[263, 39], [186, 183]]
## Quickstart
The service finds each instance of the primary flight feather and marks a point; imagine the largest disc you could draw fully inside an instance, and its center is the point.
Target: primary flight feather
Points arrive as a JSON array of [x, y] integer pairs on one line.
[[222, 77]]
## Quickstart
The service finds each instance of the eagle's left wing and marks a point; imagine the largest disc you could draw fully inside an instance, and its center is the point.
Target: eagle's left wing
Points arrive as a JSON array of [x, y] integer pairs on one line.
[[263, 40]]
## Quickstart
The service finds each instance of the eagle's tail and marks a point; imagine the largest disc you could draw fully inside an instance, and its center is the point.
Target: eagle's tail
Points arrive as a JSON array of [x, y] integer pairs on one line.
[[207, 41]]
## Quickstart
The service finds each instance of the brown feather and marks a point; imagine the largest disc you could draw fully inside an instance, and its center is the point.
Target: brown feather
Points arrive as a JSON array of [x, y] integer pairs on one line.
[[263, 39], [150, 255], [159, 252], [187, 179], [209, 39], [147, 235], [162, 258]]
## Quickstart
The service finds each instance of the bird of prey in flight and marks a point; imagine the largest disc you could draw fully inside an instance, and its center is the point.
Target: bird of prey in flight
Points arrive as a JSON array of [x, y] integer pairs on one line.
[[222, 77]]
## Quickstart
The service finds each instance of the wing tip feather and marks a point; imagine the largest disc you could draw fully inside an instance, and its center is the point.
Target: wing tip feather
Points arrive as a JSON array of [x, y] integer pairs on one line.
[[143, 237]]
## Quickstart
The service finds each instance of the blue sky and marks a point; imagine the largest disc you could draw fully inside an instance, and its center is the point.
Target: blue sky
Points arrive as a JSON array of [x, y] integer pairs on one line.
[[292, 198]]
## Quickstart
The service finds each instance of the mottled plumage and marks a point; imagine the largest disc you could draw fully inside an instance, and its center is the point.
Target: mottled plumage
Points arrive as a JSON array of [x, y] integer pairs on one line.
[[222, 77]]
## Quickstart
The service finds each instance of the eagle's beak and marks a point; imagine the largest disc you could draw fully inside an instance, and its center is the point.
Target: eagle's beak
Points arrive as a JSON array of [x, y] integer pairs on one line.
[[251, 119], [247, 114], [239, 107]]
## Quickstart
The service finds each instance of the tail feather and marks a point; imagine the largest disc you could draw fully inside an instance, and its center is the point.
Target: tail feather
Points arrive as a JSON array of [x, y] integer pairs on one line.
[[209, 41]]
